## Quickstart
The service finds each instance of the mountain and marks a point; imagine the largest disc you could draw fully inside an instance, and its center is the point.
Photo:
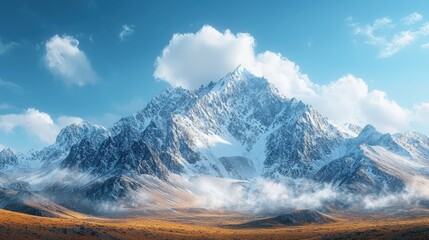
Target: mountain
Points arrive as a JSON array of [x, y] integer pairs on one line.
[[33, 204], [8, 182], [185, 131], [293, 218], [239, 127], [377, 163], [71, 135], [8, 159]]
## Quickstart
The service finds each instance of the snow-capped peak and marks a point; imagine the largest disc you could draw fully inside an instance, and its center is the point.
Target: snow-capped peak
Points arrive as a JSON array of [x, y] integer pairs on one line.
[[7, 158], [75, 132], [369, 132]]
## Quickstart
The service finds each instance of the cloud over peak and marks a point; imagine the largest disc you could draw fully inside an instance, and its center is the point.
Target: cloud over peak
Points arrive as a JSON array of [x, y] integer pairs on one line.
[[193, 59], [64, 59], [189, 58], [36, 123]]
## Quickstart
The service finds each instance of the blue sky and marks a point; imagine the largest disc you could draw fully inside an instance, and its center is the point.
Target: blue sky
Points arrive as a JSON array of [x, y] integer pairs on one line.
[[109, 52]]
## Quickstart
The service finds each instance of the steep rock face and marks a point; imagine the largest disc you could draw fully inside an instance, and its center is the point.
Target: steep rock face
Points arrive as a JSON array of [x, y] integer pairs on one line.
[[359, 174], [377, 163], [71, 135], [415, 143], [189, 131], [121, 154], [370, 136], [8, 159], [295, 146]]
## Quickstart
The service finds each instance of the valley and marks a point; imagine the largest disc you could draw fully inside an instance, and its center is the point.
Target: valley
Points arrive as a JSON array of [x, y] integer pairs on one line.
[[204, 226]]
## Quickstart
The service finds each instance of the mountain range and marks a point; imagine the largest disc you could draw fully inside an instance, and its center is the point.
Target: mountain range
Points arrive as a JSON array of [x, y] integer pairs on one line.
[[234, 130]]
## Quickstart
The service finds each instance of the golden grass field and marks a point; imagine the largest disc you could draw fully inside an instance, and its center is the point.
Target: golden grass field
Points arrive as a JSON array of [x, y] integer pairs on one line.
[[200, 226]]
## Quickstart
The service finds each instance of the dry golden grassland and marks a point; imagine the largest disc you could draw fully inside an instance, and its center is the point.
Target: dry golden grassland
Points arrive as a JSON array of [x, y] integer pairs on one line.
[[200, 226]]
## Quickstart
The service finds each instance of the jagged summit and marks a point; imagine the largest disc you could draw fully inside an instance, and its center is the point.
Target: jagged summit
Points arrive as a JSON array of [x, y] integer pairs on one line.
[[8, 158], [240, 72], [237, 117], [369, 132], [239, 78], [75, 132], [239, 128], [7, 151]]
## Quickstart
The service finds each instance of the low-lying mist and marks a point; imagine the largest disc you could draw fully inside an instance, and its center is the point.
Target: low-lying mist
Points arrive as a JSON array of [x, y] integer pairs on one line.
[[261, 196], [258, 196]]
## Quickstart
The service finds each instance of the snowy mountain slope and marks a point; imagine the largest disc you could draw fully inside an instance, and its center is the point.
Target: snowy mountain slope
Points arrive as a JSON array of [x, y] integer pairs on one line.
[[8, 182], [375, 163], [190, 131], [236, 129], [8, 159], [52, 155], [240, 127]]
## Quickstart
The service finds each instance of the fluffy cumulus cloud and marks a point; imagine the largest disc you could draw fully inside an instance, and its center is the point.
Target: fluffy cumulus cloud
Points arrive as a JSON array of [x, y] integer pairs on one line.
[[422, 112], [355, 103], [65, 60], [283, 73], [389, 37], [193, 59], [126, 31], [36, 123]]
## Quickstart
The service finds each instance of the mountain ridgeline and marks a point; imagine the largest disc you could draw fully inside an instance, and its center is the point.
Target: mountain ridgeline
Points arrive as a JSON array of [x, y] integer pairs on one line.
[[239, 127]]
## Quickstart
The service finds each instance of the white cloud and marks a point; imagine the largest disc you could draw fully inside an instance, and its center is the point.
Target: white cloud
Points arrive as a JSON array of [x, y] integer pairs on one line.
[[9, 85], [36, 123], [412, 18], [424, 29], [422, 112], [398, 42], [126, 31], [4, 47], [2, 147], [190, 60], [369, 30], [355, 103], [387, 36], [64, 59], [283, 73], [425, 45]]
